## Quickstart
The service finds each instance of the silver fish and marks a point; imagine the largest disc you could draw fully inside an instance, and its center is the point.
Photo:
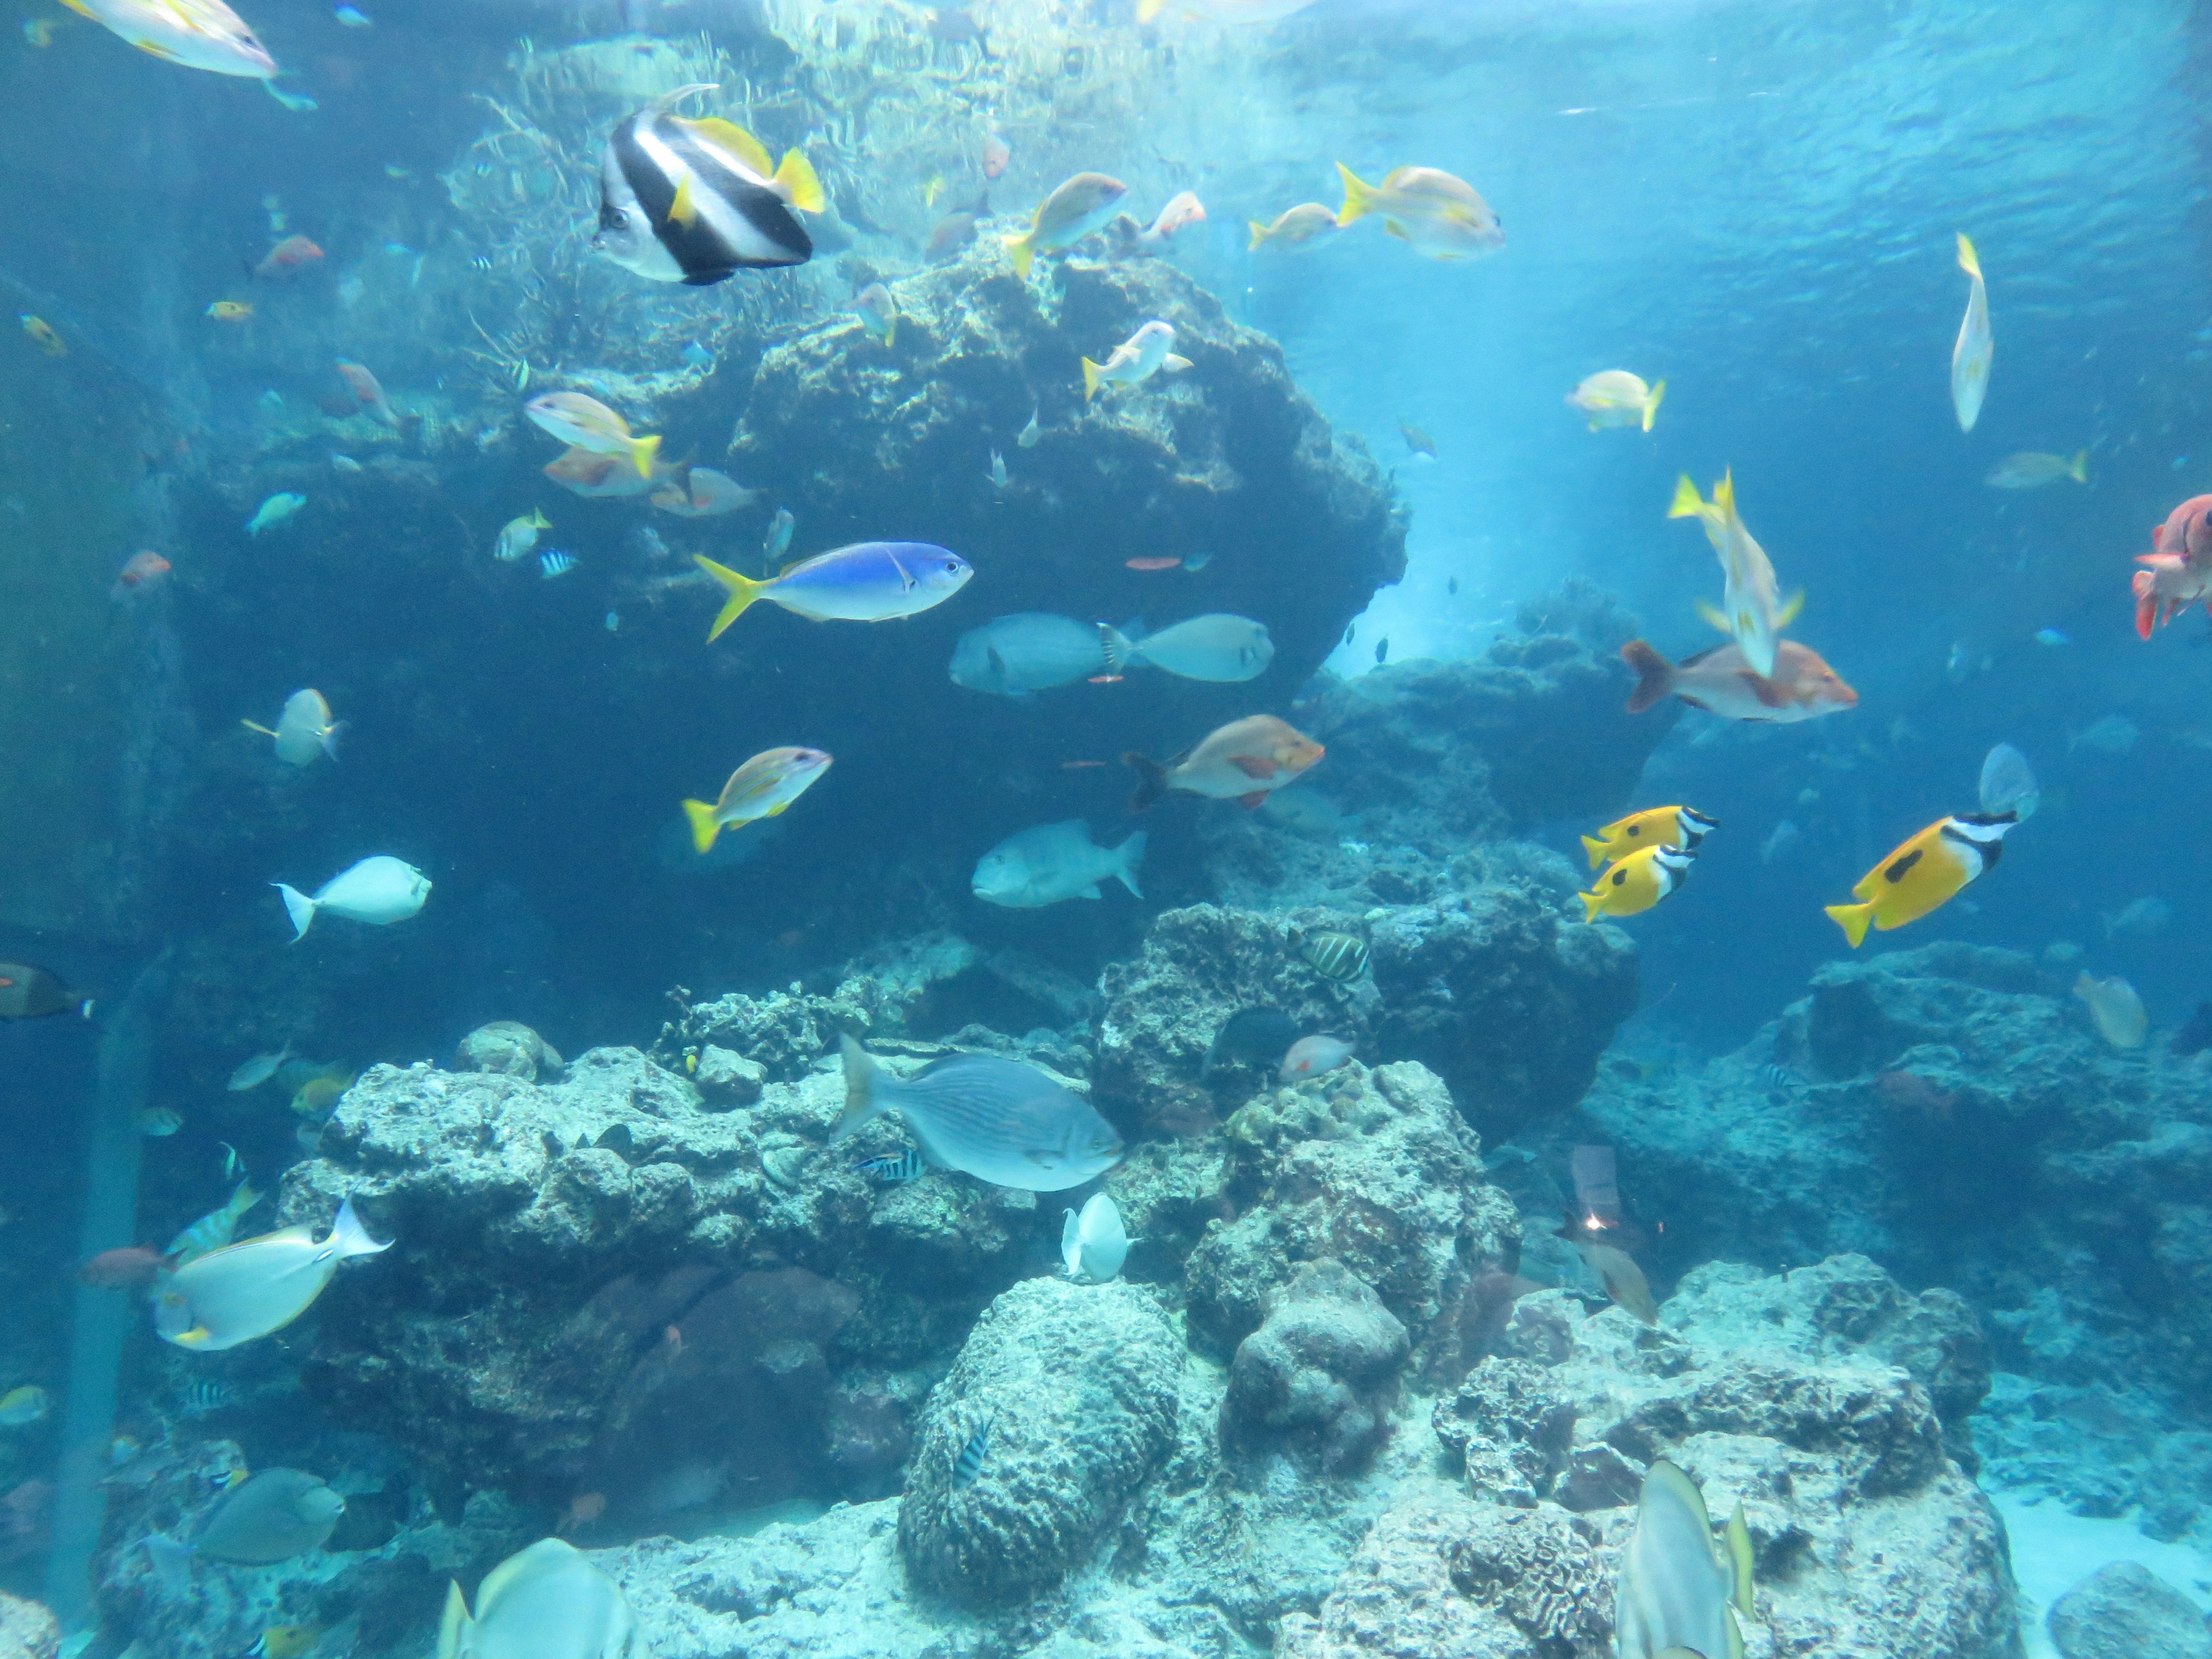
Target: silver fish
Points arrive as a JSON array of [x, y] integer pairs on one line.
[[1029, 651], [995, 1119]]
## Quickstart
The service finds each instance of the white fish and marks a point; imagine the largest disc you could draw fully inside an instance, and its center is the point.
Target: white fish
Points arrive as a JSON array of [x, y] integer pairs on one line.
[[1313, 1056], [1028, 436], [2114, 1008], [546, 1603], [998, 472], [1971, 355], [1753, 614], [253, 1073], [995, 1119], [304, 730], [247, 1290], [273, 511], [379, 890], [2008, 785], [1674, 1590], [711, 495], [1136, 360], [1029, 651], [1053, 862], [202, 35], [1095, 1243], [1217, 647]]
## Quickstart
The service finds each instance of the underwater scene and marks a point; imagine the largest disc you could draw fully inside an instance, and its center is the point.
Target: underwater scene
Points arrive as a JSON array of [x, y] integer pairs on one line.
[[1105, 830]]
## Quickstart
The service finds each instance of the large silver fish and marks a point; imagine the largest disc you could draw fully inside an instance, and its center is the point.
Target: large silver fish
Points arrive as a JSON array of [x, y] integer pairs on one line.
[[246, 1290], [1675, 1590], [995, 1119], [545, 1603], [1029, 651], [1217, 647]]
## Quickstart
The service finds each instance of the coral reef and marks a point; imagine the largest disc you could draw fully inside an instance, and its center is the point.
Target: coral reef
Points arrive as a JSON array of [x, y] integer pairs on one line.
[[27, 1631], [2125, 1611], [1316, 1377]]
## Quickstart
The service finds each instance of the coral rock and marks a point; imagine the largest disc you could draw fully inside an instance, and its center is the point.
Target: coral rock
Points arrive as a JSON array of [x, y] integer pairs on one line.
[[506, 1046], [27, 1631], [1318, 1376], [2125, 1611]]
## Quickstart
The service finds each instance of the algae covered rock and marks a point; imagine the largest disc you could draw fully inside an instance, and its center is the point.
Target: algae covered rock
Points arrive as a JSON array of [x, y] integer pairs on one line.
[[2125, 1611], [1317, 1378], [508, 1047], [1076, 1388]]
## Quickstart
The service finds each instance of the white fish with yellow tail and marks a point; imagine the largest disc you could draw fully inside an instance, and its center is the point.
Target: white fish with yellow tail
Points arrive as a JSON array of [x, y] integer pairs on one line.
[[867, 582], [1753, 614], [1613, 397], [997, 1119], [1633, 884], [304, 730], [1217, 647], [1973, 353], [1094, 1244], [1676, 1590], [518, 536], [2032, 469], [1075, 209], [1293, 228], [1136, 360], [1053, 862], [761, 788], [249, 1289], [201, 34], [1429, 209], [1923, 873], [548, 1601], [878, 313], [2115, 1009], [583, 422], [1242, 762], [379, 890]]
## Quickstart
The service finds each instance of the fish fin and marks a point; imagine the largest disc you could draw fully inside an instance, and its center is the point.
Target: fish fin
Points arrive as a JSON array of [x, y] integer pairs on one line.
[[1969, 261], [330, 738], [1853, 919], [1597, 850], [1790, 607], [732, 139], [1651, 404], [1131, 853], [1251, 800], [1254, 766], [1091, 379], [641, 453], [1769, 694], [890, 334], [299, 906], [352, 1238], [1023, 249], [84, 11], [1654, 674], [684, 210], [743, 590], [455, 1624], [263, 730], [1359, 197], [703, 827], [1152, 780], [1687, 503], [1397, 230], [1592, 903], [1121, 650], [1174, 364], [1146, 9], [1713, 614], [862, 1074], [1740, 1558], [1260, 234], [2078, 468], [538, 520], [797, 182]]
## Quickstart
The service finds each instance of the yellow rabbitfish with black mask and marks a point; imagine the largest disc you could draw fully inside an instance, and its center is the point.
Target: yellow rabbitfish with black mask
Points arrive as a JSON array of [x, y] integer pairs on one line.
[[1923, 873], [1637, 882], [1655, 826]]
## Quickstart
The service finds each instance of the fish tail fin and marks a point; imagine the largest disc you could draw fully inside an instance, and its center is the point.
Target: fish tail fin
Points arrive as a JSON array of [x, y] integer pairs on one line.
[[350, 1237], [1853, 919], [1651, 404], [1595, 848], [1152, 780], [1687, 503], [1739, 1559], [330, 738], [2078, 468], [299, 906], [454, 1626], [538, 520], [1024, 248], [1592, 903], [1358, 196], [641, 453], [1131, 854], [703, 827], [890, 334], [2146, 603], [1654, 674], [797, 182], [863, 1097], [1091, 379], [743, 590], [1969, 261], [1713, 614], [1790, 607], [1260, 234]]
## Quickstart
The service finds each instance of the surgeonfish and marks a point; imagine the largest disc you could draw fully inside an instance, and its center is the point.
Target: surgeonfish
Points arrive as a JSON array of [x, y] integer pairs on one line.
[[274, 510], [997, 474], [583, 422], [1029, 651], [1430, 211], [304, 730], [1217, 647], [1636, 883], [31, 992], [780, 528], [268, 1517], [997, 1119], [1136, 360], [518, 536], [2115, 1009], [867, 582], [1923, 873], [1613, 397], [1676, 1590], [1334, 955], [1094, 1244], [214, 1229], [2178, 570], [1752, 613], [202, 35], [378, 890], [760, 788], [878, 313], [1655, 826], [2032, 469], [1073, 211], [1250, 1037], [1722, 682], [969, 1464], [2008, 785], [157, 1123], [1294, 227], [694, 202], [1053, 862], [1312, 1056], [1974, 349], [1028, 436], [21, 1407], [1241, 762], [247, 1290], [548, 1601], [1587, 1228]]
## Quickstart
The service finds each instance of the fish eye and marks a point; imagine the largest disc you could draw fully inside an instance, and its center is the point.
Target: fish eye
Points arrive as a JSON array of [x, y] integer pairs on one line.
[[613, 218]]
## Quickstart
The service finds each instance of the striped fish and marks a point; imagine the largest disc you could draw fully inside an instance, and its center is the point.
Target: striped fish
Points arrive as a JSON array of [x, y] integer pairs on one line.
[[969, 1463], [203, 1398], [1780, 1077], [214, 1229], [1339, 956], [555, 563], [892, 1168]]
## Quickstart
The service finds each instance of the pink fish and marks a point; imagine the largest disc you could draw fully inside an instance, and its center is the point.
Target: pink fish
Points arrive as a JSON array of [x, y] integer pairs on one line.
[[368, 393], [1801, 688], [997, 153], [2178, 570]]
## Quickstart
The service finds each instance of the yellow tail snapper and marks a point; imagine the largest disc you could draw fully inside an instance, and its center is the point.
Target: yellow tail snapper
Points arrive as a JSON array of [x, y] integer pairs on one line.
[[1637, 882], [761, 788], [1656, 826], [1081, 205], [202, 35], [1293, 226], [696, 201], [587, 423], [1432, 211], [1923, 874], [1613, 397], [1754, 616], [1972, 354]]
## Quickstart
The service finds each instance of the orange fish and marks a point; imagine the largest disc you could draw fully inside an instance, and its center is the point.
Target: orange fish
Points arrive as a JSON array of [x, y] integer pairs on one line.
[[2179, 568], [368, 393], [1153, 564], [123, 1269], [287, 257], [143, 566], [584, 1508], [1241, 762], [1801, 688]]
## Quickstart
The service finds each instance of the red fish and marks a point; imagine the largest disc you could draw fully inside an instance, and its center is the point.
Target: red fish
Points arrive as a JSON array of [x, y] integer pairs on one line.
[[144, 567], [1801, 687], [368, 393], [123, 1269], [1153, 564], [2179, 568], [288, 256]]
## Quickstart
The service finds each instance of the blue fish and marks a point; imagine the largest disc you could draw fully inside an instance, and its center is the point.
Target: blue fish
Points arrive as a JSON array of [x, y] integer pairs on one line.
[[352, 16], [1198, 561], [868, 581], [697, 357], [2052, 636], [969, 1463], [892, 1168], [555, 563]]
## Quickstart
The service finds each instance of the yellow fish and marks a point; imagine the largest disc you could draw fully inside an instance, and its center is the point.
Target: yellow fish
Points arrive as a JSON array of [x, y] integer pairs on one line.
[[1074, 209], [229, 311], [1638, 882], [1923, 874], [1293, 226], [1971, 357], [318, 1094], [287, 1641], [43, 335], [1655, 826]]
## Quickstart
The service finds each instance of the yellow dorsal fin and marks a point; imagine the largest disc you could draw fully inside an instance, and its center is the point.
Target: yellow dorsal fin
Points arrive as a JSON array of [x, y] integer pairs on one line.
[[1969, 261], [795, 181], [1687, 503], [1724, 494], [81, 9], [1790, 607], [1712, 614], [734, 140], [684, 210]]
